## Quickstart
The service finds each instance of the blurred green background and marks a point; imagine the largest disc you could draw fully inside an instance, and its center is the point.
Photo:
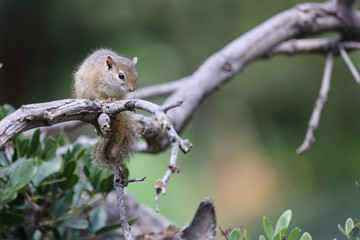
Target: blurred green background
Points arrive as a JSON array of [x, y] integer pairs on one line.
[[244, 135]]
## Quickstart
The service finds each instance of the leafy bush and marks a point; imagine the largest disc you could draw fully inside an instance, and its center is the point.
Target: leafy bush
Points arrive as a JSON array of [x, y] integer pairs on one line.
[[350, 229], [281, 227], [279, 233], [46, 195]]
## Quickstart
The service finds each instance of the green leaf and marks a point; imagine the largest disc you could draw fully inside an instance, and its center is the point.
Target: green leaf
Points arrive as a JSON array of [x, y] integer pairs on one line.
[[46, 169], [280, 234], [21, 146], [354, 230], [78, 189], [11, 219], [71, 154], [80, 154], [86, 171], [349, 225], [97, 219], [247, 237], [95, 180], [294, 234], [268, 228], [69, 168], [342, 230], [283, 233], [79, 224], [306, 236], [69, 182], [126, 172], [21, 172], [49, 182], [34, 143], [114, 226], [62, 204], [7, 197], [262, 237], [283, 222], [108, 228], [49, 149], [235, 234], [131, 221], [4, 171], [4, 160], [59, 138], [5, 110], [107, 184]]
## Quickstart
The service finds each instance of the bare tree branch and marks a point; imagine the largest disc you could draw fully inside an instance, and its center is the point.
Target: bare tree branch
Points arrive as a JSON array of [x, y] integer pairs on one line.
[[99, 113], [318, 45], [278, 35], [315, 116], [119, 184], [289, 47], [349, 63], [51, 113], [302, 20], [172, 168]]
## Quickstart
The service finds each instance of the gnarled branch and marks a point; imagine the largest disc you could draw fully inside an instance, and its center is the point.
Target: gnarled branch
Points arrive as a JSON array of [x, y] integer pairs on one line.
[[278, 35]]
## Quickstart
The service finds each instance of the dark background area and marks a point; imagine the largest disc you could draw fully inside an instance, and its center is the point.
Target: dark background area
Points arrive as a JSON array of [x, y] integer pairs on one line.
[[245, 135]]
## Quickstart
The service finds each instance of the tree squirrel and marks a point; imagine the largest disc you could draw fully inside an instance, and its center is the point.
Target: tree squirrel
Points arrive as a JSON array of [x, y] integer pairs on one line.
[[105, 75]]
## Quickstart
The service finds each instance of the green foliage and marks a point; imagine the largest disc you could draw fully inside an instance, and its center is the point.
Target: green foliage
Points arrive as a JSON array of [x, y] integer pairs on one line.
[[281, 228], [6, 110], [351, 229], [235, 234], [44, 195], [279, 233]]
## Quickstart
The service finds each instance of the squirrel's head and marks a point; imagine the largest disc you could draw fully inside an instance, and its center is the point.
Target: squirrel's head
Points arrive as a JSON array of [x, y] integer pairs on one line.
[[124, 71]]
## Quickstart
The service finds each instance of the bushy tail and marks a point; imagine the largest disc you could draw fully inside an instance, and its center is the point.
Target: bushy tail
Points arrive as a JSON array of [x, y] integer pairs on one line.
[[116, 146]]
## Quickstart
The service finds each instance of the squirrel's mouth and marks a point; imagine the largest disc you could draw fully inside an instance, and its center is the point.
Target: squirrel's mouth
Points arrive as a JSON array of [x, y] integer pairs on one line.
[[124, 87], [127, 87]]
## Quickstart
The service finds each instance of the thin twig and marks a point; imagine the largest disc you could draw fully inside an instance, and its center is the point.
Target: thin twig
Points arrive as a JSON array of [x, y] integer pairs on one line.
[[315, 116], [315, 45], [170, 106], [119, 189], [349, 63], [160, 186], [120, 182]]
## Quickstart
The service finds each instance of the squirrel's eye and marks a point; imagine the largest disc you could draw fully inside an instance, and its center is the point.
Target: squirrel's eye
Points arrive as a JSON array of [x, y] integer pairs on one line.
[[121, 76]]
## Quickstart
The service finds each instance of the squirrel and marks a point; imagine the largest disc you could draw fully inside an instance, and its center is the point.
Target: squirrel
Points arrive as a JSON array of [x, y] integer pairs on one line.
[[105, 75]]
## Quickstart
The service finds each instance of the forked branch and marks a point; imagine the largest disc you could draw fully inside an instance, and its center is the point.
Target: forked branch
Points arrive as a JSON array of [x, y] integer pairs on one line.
[[349, 63], [315, 116], [97, 113]]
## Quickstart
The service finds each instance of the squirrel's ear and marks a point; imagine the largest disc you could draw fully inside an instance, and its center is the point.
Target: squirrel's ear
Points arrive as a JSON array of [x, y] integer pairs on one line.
[[109, 62], [135, 60]]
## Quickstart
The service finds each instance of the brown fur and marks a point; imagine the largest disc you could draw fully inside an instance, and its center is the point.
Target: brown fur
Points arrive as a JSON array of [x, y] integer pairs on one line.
[[115, 147], [97, 77]]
